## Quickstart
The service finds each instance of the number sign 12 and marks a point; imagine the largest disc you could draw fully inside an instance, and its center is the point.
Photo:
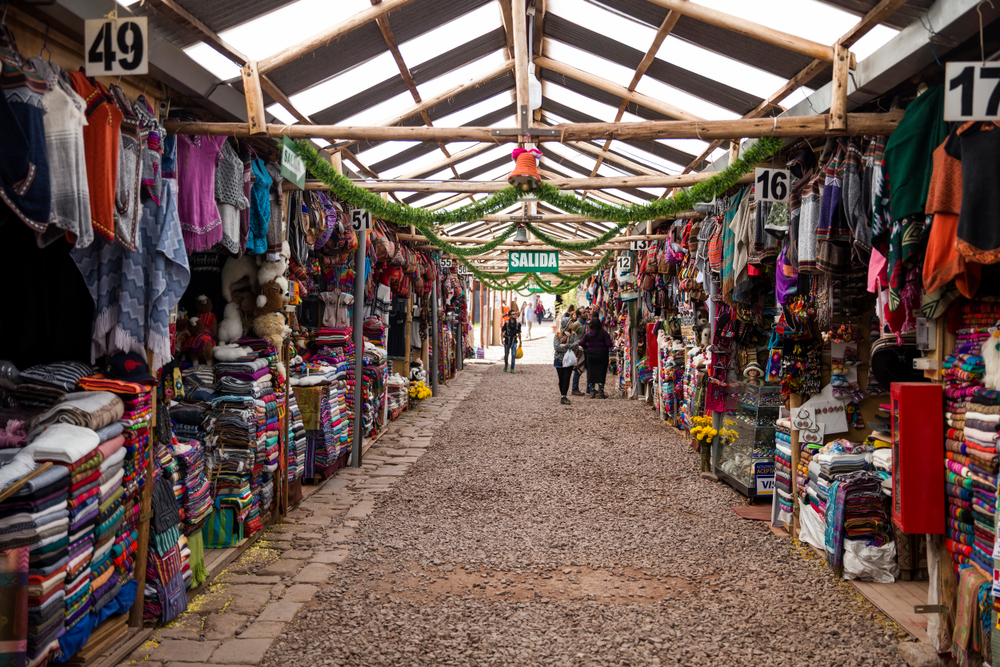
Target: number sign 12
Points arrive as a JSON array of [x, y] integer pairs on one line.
[[624, 263], [361, 219], [972, 91], [117, 46], [771, 185]]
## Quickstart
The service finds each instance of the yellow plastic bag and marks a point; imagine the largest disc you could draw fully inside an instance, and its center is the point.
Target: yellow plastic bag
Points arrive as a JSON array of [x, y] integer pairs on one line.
[[520, 352]]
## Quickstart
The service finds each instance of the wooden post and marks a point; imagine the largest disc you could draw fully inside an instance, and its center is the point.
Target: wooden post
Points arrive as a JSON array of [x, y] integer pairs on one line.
[[145, 513], [794, 402], [256, 113], [838, 95], [408, 336], [520, 29]]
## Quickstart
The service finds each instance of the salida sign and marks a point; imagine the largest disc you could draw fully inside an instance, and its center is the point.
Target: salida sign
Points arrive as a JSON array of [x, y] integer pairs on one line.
[[533, 261]]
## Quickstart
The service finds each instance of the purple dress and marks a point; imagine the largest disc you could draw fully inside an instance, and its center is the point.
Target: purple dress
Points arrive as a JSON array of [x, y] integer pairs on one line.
[[197, 158]]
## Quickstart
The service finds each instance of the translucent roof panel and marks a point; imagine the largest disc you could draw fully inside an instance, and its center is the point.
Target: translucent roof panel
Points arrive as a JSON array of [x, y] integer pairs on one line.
[[275, 31], [449, 35]]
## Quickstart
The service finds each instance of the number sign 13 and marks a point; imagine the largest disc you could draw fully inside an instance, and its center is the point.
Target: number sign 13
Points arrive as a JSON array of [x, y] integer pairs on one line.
[[361, 219], [771, 185], [639, 245], [117, 46], [972, 91]]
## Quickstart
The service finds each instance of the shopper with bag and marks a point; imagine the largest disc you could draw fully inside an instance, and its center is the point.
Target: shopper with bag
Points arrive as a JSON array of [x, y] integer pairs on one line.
[[565, 345], [597, 343], [511, 339]]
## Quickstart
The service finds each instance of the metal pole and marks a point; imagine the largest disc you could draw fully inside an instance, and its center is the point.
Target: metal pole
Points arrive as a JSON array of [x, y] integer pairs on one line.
[[434, 340], [359, 344], [717, 417]]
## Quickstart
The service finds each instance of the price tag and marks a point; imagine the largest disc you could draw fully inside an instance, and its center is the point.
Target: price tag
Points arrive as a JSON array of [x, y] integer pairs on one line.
[[446, 263], [639, 245], [771, 184], [117, 46], [361, 219], [972, 91]]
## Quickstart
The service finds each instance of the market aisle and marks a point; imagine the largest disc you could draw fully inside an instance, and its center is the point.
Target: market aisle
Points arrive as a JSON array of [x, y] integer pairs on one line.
[[536, 533]]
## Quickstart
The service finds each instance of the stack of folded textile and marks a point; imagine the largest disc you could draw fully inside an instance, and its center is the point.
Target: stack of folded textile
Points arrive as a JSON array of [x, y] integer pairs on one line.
[[42, 385], [195, 490], [233, 422], [783, 471], [188, 421], [166, 592], [296, 439], [376, 374], [74, 448], [398, 394], [970, 442], [36, 519], [375, 332], [199, 383], [322, 441], [856, 510]]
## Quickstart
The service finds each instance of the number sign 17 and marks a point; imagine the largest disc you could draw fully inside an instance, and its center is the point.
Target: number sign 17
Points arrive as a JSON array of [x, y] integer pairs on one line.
[[771, 185], [117, 46], [972, 91]]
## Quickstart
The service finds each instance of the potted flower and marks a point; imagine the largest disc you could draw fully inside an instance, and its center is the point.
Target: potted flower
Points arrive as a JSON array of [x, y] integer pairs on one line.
[[418, 392]]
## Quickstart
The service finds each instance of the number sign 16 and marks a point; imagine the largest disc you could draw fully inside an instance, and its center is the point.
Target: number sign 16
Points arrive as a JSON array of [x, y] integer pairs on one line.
[[361, 219], [117, 46], [771, 185], [972, 91]]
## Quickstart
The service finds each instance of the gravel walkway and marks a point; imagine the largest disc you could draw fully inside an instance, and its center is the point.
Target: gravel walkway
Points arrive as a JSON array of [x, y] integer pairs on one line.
[[533, 533]]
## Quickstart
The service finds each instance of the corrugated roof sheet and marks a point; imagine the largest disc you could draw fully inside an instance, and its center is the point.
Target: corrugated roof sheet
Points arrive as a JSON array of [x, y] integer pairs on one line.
[[466, 175], [702, 87], [218, 15], [763, 56], [903, 17], [366, 42], [659, 150], [583, 172]]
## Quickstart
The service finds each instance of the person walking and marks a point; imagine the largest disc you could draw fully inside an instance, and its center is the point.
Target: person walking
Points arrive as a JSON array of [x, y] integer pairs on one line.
[[528, 316], [539, 311], [597, 343], [511, 339], [576, 326], [562, 343]]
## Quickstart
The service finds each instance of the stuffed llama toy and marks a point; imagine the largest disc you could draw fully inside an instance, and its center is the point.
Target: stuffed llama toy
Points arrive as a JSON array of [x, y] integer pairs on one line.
[[991, 359]]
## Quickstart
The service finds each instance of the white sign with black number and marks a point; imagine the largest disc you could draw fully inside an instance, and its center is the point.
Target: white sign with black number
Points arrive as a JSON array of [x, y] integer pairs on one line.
[[639, 245], [361, 219], [463, 270], [771, 184], [446, 263], [624, 264], [116, 46], [972, 91]]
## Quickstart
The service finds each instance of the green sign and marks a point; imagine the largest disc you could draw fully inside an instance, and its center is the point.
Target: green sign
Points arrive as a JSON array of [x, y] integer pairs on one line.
[[293, 169], [533, 261]]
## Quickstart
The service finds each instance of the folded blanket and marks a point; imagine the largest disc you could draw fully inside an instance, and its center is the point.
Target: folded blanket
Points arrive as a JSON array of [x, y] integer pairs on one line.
[[114, 459], [90, 409], [43, 480], [64, 443]]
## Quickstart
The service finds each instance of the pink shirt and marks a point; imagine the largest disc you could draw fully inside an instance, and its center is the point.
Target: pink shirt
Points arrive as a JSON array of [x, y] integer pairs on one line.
[[197, 158]]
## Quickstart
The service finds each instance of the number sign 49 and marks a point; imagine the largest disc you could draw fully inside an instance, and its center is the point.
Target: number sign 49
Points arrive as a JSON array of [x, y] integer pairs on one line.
[[771, 185], [972, 91], [116, 47]]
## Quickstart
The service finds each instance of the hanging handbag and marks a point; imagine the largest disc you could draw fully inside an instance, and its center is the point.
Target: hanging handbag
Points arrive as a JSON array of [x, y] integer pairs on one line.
[[222, 530]]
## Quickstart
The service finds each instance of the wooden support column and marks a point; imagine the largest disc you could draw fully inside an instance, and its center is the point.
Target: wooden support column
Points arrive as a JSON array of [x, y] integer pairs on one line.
[[794, 402], [256, 113], [838, 98], [520, 29]]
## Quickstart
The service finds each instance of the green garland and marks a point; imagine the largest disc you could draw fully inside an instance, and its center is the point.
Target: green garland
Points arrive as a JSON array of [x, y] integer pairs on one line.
[[575, 246], [423, 219], [468, 251]]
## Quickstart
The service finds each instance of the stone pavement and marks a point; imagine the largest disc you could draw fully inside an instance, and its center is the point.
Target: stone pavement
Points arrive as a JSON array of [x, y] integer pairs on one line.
[[247, 606]]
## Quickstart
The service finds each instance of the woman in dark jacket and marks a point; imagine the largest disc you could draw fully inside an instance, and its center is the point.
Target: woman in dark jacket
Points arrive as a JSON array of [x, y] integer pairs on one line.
[[597, 343]]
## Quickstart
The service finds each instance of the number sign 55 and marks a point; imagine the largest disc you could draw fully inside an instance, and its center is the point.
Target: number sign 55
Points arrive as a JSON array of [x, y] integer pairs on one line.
[[771, 185], [117, 46]]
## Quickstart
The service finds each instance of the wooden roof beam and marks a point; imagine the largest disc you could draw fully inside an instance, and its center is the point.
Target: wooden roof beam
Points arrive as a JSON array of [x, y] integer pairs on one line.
[[750, 29], [521, 61], [783, 126], [320, 39], [664, 108], [669, 21]]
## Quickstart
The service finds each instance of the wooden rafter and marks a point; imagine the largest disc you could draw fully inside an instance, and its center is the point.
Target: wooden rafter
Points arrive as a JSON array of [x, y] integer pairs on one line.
[[521, 64], [750, 29], [463, 154], [286, 56], [874, 17], [507, 19], [600, 83]]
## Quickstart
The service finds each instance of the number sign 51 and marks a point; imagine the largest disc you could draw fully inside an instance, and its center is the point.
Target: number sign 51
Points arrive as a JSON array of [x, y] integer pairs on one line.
[[771, 185], [117, 46], [361, 219], [972, 91]]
